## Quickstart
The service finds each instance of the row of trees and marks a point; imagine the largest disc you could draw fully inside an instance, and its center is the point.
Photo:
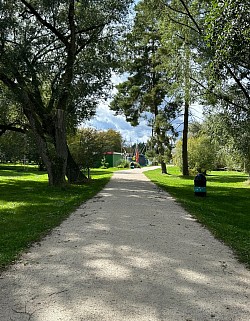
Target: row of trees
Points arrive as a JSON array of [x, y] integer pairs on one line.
[[56, 60], [212, 145], [180, 52], [87, 146]]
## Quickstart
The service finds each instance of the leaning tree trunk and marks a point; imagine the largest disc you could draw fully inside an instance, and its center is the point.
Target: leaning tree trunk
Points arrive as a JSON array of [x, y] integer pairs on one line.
[[73, 172], [56, 160], [54, 165]]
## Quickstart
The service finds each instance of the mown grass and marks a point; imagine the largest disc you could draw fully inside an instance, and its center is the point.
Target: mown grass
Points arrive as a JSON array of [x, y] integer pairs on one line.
[[225, 211], [29, 208]]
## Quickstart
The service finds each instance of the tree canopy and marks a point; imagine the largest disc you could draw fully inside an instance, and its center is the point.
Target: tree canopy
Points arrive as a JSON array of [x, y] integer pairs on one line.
[[56, 59]]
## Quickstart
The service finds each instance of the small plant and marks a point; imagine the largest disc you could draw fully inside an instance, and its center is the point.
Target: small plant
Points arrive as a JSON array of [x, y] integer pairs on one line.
[[123, 164], [104, 164]]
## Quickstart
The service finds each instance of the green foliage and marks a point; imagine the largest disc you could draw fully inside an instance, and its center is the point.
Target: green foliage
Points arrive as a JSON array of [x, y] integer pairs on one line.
[[225, 210], [230, 135], [177, 154], [88, 146], [36, 207], [145, 88], [104, 163], [201, 154], [219, 142], [227, 31], [17, 147], [159, 146], [56, 60], [12, 147], [111, 140], [11, 117], [123, 164], [228, 40]]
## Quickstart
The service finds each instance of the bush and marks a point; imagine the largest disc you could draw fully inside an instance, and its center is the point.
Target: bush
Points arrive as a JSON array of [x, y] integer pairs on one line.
[[201, 154], [123, 164]]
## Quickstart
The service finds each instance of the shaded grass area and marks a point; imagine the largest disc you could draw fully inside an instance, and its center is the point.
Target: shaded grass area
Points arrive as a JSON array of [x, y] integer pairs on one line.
[[225, 211], [29, 208]]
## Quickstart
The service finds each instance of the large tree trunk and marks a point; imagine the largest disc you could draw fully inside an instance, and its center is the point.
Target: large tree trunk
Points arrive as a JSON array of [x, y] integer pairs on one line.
[[55, 157], [59, 161], [54, 164]]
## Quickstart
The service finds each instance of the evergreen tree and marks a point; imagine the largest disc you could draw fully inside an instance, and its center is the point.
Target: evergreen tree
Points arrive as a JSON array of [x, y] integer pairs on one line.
[[145, 92]]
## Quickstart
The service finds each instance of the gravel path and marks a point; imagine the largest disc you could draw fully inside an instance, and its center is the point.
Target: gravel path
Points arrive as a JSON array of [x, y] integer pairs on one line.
[[129, 254]]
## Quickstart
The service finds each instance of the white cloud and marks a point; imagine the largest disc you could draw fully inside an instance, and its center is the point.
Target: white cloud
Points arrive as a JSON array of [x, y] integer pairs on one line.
[[196, 111], [106, 119]]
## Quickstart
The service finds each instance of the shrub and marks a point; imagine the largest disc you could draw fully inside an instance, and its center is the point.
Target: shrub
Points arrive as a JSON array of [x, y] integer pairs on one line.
[[123, 163]]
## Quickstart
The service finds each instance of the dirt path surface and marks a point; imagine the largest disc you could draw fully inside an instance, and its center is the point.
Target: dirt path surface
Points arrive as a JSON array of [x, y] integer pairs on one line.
[[129, 254]]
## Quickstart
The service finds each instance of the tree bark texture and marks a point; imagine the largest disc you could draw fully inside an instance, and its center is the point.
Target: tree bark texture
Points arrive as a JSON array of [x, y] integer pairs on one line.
[[73, 172]]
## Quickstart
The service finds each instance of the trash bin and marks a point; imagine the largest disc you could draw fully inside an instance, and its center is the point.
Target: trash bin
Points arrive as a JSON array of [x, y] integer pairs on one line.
[[200, 183]]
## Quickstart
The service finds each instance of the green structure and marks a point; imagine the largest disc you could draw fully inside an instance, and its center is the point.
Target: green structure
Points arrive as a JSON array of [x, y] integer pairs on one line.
[[113, 158]]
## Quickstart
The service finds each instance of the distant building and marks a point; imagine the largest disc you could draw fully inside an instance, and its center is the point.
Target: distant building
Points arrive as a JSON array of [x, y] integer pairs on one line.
[[113, 158]]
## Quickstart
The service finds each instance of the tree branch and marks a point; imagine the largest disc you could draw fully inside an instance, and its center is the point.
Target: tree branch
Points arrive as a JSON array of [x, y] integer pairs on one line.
[[101, 25], [238, 82], [45, 23], [95, 33], [7, 81], [11, 127], [187, 13], [190, 16], [181, 23], [220, 96], [174, 9]]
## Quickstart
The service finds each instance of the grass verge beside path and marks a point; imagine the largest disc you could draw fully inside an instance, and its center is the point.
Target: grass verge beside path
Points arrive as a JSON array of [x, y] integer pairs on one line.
[[225, 211], [29, 208]]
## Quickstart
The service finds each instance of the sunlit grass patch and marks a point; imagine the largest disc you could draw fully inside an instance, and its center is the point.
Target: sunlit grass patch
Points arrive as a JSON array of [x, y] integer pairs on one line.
[[225, 210], [29, 207]]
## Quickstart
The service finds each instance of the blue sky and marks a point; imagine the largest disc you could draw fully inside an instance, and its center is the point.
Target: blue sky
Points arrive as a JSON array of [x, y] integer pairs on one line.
[[106, 119]]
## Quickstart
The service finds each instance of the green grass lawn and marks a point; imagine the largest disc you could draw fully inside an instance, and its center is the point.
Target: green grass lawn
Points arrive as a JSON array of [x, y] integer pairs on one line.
[[225, 210], [29, 208]]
